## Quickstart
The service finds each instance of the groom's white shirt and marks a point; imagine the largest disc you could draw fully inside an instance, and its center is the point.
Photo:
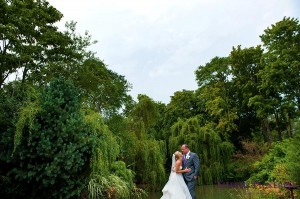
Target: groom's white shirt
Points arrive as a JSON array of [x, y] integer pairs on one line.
[[187, 155]]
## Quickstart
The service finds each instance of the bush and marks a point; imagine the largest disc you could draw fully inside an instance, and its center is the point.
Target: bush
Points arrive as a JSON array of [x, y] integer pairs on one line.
[[293, 159], [54, 149]]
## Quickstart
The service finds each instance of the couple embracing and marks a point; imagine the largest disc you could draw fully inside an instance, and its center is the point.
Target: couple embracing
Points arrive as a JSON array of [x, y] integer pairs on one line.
[[183, 177]]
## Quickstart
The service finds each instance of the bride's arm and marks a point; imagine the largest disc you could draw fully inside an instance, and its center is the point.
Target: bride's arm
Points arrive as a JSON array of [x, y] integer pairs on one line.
[[178, 170]]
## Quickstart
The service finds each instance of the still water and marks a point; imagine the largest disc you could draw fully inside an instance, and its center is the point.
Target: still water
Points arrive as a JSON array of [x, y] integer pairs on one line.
[[210, 192]]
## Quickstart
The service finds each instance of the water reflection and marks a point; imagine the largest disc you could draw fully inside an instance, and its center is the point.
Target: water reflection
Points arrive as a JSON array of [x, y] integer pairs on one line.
[[210, 192]]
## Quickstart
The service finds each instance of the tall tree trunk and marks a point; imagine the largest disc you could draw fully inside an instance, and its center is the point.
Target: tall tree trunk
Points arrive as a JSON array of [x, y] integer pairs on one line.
[[24, 73], [289, 127], [298, 100], [278, 127], [265, 128]]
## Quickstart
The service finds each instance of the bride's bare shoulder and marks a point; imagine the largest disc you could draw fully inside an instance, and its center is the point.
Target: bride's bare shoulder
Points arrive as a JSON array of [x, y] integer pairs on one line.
[[178, 163]]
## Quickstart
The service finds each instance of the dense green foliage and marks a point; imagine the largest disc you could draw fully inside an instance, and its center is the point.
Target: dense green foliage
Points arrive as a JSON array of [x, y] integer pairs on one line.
[[149, 153], [54, 147], [280, 164], [252, 95], [214, 153], [28, 37], [69, 129]]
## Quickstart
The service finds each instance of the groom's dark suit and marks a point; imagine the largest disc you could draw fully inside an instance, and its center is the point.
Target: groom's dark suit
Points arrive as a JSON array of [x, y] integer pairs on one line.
[[191, 160]]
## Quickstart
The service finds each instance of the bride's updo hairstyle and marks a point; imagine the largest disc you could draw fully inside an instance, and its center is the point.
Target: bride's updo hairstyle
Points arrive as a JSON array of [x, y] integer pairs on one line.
[[177, 155]]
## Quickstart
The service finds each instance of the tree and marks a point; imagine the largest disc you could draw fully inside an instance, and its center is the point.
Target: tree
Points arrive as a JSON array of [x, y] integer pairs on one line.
[[182, 105], [206, 141], [69, 59], [159, 130], [280, 76], [13, 97], [282, 58], [109, 176], [245, 65], [31, 44], [216, 90], [104, 90], [145, 114], [28, 37], [54, 149], [149, 154], [293, 159]]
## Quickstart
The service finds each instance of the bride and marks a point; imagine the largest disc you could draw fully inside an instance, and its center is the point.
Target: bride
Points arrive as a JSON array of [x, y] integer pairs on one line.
[[176, 187]]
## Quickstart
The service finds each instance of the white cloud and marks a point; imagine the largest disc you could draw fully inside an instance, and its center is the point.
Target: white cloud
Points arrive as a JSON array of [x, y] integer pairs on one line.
[[158, 44]]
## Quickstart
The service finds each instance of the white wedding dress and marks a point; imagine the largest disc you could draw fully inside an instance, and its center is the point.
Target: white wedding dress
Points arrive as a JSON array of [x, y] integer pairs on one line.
[[175, 187]]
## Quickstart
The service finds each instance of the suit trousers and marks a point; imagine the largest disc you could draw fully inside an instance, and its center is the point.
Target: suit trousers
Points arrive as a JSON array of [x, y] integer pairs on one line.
[[191, 186]]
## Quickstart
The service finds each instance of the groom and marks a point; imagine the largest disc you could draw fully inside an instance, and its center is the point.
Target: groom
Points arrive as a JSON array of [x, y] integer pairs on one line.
[[190, 160]]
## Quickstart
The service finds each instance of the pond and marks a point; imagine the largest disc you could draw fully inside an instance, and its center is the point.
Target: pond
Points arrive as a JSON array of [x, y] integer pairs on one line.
[[211, 192]]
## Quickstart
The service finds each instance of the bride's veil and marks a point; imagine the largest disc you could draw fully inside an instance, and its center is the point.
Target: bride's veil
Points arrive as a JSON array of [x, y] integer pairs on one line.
[[173, 163]]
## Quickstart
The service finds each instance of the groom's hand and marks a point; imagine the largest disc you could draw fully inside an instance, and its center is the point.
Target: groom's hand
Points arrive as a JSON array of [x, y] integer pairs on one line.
[[187, 170], [195, 177]]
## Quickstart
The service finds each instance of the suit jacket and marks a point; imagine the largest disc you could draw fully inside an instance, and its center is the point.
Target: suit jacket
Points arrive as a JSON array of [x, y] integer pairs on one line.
[[193, 163]]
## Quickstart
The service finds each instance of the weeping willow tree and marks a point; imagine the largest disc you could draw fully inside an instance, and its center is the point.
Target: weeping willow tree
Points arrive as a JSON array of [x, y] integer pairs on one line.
[[18, 104], [149, 154], [109, 178], [207, 143], [68, 150], [150, 163]]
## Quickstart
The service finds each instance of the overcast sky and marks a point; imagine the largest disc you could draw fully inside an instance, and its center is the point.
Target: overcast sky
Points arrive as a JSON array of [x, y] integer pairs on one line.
[[158, 44]]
